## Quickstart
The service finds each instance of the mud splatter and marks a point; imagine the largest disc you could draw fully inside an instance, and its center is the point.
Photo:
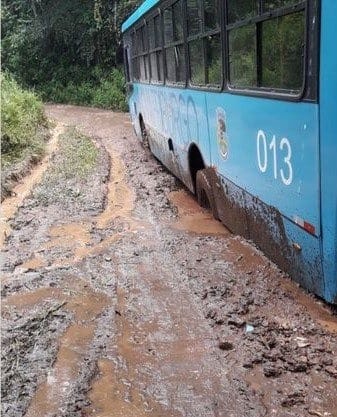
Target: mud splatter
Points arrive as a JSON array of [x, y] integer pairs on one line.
[[193, 218]]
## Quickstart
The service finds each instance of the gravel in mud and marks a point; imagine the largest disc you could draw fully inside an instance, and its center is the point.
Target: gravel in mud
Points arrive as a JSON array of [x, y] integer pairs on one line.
[[122, 297]]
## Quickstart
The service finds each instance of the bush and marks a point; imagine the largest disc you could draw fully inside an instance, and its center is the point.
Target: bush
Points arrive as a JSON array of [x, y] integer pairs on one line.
[[22, 116], [110, 93], [98, 88]]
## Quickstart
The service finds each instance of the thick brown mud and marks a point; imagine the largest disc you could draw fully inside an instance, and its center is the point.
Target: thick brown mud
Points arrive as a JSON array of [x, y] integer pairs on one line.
[[193, 218], [22, 190], [166, 313], [84, 305]]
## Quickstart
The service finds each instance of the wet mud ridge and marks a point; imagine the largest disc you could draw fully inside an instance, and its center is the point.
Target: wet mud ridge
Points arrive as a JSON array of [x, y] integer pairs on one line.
[[121, 297]]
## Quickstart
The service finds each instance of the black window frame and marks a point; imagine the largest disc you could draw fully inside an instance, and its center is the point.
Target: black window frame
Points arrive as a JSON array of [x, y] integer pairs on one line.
[[202, 36], [259, 91], [138, 53], [157, 13], [309, 91], [174, 44]]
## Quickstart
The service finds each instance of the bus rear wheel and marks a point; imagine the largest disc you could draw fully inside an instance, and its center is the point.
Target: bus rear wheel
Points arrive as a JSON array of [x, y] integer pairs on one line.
[[205, 194]]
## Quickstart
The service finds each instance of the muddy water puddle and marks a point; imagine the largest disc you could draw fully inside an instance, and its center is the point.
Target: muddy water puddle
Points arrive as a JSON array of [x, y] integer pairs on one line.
[[22, 190], [86, 305], [77, 237], [163, 365], [192, 218]]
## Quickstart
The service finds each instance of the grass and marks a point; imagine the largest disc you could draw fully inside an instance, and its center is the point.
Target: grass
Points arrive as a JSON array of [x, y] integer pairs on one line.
[[73, 164], [78, 155], [23, 123]]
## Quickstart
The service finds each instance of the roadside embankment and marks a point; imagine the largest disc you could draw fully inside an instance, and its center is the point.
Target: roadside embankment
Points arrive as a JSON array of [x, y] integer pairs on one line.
[[24, 133]]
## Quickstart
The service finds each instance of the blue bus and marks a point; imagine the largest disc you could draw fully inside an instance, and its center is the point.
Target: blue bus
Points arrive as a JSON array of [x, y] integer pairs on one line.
[[238, 99]]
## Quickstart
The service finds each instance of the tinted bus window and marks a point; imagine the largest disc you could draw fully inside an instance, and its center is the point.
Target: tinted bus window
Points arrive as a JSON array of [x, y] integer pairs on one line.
[[266, 51], [242, 56], [282, 52], [197, 65], [211, 14], [193, 17], [151, 32], [157, 30], [177, 14], [174, 46], [242, 9], [168, 26], [276, 4], [213, 60], [204, 52]]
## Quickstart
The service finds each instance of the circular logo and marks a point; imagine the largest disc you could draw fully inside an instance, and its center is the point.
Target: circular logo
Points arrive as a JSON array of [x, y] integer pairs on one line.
[[222, 132]]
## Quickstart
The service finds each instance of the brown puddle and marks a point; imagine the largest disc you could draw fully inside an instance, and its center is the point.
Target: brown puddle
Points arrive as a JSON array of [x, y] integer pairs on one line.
[[114, 392], [156, 355], [22, 190], [120, 203], [33, 263], [193, 218], [86, 305], [112, 397]]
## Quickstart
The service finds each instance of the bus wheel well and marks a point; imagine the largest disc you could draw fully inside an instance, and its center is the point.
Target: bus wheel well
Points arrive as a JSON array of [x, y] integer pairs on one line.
[[196, 163], [143, 132]]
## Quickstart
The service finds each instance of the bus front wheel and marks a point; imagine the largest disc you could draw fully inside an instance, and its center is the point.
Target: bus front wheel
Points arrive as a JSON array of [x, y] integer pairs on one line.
[[204, 193]]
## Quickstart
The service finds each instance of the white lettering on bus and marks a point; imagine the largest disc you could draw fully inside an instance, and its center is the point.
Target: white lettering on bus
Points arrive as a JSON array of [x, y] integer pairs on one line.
[[286, 170]]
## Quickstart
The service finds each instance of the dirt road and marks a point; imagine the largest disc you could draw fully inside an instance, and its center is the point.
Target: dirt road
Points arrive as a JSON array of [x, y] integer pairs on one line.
[[122, 298]]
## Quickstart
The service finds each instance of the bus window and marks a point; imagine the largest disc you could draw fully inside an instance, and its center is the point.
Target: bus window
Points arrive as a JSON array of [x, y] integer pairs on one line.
[[266, 51], [204, 42], [177, 14], [242, 56], [282, 52], [213, 60], [193, 17], [276, 4], [155, 49], [241, 9], [174, 43], [197, 65], [212, 14]]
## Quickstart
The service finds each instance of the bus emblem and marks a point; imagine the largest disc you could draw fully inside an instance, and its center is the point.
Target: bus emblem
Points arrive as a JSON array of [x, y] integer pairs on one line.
[[222, 132]]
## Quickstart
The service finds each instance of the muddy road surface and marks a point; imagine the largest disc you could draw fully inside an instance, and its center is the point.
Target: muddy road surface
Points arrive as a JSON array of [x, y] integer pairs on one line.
[[122, 298]]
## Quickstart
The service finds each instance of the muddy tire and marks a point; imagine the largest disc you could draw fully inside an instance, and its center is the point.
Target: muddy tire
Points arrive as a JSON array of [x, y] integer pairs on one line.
[[205, 194], [144, 134]]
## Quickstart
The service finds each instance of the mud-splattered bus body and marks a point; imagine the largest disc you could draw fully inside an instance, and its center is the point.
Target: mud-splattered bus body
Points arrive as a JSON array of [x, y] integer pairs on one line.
[[238, 100]]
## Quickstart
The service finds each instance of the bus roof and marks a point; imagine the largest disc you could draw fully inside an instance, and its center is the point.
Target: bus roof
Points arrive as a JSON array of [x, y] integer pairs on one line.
[[138, 13]]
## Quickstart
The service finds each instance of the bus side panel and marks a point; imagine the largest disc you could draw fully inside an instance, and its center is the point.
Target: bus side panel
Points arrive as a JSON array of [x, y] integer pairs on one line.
[[172, 114], [328, 150], [267, 156]]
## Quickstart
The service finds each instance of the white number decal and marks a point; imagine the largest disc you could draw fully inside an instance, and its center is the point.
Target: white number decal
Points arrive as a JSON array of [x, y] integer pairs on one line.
[[262, 156], [262, 136], [287, 160], [272, 146]]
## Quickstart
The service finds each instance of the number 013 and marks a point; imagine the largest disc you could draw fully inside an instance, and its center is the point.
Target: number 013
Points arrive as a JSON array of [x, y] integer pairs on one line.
[[281, 150]]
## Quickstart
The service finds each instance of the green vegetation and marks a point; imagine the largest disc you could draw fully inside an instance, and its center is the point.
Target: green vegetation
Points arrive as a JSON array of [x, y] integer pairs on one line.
[[79, 155], [104, 90], [69, 51], [71, 170], [22, 122]]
